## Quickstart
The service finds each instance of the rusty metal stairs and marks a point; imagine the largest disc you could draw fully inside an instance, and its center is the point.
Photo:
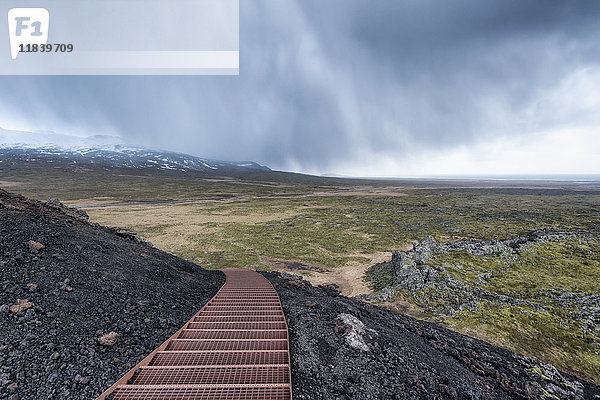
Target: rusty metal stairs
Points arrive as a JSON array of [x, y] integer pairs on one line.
[[236, 347]]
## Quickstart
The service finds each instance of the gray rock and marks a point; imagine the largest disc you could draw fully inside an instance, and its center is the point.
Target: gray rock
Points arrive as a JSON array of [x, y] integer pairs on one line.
[[75, 213], [130, 234], [30, 315], [83, 380], [354, 331]]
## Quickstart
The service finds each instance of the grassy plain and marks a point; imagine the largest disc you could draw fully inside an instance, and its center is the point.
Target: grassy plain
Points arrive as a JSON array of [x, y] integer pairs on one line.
[[331, 230]]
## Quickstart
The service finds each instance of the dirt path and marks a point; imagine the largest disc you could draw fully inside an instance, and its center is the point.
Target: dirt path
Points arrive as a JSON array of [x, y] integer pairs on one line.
[[348, 277]]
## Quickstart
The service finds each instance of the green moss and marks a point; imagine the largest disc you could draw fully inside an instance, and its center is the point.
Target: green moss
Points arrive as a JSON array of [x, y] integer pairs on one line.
[[572, 264], [539, 371], [549, 395], [381, 276], [543, 334]]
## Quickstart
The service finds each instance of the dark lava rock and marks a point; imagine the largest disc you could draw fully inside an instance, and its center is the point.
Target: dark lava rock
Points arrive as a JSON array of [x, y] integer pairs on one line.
[[51, 351], [75, 213], [407, 358]]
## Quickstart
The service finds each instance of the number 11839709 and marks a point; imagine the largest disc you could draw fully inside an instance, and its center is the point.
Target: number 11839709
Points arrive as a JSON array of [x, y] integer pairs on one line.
[[46, 48]]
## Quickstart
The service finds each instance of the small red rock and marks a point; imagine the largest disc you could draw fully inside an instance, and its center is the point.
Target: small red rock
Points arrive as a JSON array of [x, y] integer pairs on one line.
[[22, 305], [33, 245]]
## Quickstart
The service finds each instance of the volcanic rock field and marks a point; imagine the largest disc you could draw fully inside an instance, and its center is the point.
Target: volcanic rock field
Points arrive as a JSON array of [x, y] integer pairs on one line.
[[81, 304]]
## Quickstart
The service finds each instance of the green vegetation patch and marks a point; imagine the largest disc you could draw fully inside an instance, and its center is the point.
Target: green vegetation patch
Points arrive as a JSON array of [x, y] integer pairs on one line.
[[550, 335], [540, 298]]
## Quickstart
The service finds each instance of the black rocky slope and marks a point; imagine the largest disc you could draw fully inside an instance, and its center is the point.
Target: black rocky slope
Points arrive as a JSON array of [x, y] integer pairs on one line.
[[400, 357], [84, 283]]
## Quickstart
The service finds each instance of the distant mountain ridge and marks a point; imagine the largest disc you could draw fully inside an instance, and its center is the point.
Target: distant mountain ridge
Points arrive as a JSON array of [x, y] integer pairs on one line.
[[107, 151]]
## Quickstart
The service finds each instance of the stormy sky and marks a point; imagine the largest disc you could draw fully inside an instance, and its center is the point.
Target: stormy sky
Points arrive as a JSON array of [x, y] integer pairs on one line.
[[363, 88]]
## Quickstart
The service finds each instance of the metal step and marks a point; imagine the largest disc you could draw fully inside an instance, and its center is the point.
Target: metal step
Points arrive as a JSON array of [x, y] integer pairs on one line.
[[235, 347]]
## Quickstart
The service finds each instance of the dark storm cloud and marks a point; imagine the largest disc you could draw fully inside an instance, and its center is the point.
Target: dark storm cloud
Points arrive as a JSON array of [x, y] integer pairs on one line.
[[460, 58], [322, 83]]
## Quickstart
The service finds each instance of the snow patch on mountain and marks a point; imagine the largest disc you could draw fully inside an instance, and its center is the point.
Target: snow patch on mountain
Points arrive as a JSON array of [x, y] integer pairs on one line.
[[110, 151]]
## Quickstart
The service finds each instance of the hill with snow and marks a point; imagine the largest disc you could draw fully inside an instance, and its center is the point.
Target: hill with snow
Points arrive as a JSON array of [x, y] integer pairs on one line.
[[106, 151]]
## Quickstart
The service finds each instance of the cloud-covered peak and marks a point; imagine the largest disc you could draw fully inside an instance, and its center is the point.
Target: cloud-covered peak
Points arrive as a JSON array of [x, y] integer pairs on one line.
[[40, 139]]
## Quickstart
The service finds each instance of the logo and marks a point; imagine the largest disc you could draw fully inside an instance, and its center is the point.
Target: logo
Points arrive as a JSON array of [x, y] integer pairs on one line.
[[27, 27]]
